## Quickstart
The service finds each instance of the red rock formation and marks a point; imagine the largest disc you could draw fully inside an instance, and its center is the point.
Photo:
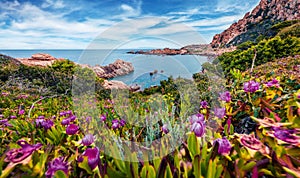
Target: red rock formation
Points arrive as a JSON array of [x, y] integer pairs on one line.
[[118, 68], [39, 59], [274, 10]]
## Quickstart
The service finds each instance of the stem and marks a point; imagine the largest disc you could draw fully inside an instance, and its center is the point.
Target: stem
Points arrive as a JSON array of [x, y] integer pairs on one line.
[[43, 99], [253, 61]]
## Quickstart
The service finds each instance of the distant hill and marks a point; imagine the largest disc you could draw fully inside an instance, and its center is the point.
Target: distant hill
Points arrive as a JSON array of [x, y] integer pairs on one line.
[[258, 23]]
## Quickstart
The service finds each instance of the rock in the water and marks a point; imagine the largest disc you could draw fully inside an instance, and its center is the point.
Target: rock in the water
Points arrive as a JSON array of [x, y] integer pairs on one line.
[[118, 68]]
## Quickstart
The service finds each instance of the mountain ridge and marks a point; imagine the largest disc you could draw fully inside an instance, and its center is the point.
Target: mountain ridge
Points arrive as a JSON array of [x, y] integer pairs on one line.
[[257, 22]]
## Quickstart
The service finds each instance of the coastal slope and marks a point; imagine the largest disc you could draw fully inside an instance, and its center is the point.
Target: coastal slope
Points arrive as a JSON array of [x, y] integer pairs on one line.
[[258, 22]]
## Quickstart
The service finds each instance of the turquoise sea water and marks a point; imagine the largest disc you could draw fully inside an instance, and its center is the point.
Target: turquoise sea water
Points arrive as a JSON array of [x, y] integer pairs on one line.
[[176, 66]]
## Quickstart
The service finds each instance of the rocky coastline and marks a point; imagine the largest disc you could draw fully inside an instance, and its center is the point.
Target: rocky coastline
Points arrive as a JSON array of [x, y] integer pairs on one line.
[[117, 68], [195, 49], [165, 51]]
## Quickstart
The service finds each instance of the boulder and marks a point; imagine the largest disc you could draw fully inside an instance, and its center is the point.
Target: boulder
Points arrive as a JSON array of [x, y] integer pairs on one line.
[[114, 84], [42, 57]]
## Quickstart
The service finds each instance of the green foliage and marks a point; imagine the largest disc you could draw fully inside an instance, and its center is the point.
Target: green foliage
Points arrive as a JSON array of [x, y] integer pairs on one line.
[[246, 45], [64, 66], [281, 25], [293, 30], [266, 50]]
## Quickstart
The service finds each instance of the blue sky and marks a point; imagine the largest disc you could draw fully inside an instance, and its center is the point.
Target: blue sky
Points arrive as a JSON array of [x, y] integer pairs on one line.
[[76, 24]]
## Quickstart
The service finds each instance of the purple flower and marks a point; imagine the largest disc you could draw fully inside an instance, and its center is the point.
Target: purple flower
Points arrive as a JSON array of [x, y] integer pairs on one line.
[[41, 117], [196, 118], [13, 117], [251, 86], [69, 112], [5, 122], [65, 121], [220, 112], [21, 112], [224, 146], [4, 94], [204, 104], [55, 165], [225, 96], [47, 124], [272, 83], [165, 128], [286, 135], [88, 140], [103, 117], [1, 115], [298, 96], [93, 155], [63, 113], [19, 154], [72, 129], [53, 117], [39, 122], [122, 122], [88, 119], [72, 118], [198, 128], [251, 142], [115, 124]]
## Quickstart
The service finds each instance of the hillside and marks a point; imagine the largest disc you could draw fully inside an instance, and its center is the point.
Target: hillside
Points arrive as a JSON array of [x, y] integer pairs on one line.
[[258, 22]]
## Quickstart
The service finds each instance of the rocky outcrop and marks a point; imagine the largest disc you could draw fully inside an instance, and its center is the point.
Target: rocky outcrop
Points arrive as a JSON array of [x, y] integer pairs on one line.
[[114, 84], [118, 68], [165, 51], [207, 50], [39, 59], [263, 16]]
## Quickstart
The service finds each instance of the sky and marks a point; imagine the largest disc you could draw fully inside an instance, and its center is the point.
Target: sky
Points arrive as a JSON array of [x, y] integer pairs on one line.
[[83, 24]]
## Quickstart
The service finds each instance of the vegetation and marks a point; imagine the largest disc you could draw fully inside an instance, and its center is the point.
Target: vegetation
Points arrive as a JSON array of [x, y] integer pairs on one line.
[[285, 43], [243, 125]]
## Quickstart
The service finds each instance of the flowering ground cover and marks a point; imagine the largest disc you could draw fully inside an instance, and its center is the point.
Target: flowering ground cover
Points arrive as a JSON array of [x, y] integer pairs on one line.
[[252, 130]]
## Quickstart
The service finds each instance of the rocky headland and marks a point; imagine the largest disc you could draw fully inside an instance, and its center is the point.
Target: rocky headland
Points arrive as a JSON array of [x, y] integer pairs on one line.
[[165, 51], [195, 49]]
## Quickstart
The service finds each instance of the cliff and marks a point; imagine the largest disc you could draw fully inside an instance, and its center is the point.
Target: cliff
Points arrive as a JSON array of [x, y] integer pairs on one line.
[[258, 22]]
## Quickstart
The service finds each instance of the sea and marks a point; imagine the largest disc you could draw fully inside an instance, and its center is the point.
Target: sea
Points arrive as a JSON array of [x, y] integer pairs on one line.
[[149, 70]]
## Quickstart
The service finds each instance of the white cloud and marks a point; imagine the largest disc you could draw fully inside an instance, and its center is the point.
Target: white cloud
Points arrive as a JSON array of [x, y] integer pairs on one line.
[[38, 27], [58, 4], [132, 31], [215, 21], [130, 11], [35, 27], [126, 7]]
